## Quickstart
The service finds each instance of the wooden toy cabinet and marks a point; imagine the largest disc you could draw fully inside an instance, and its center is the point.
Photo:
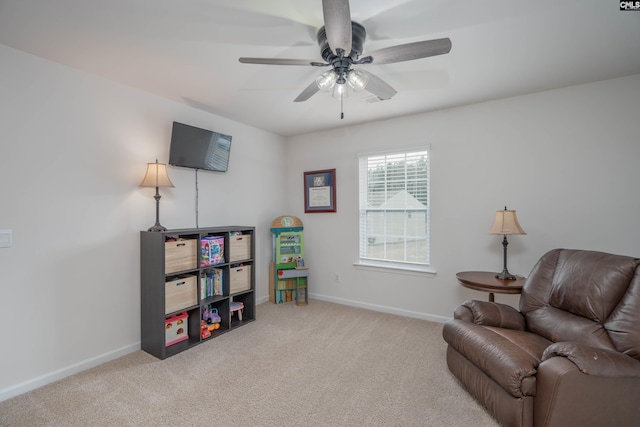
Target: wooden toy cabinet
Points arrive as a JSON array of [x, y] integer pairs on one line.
[[194, 271]]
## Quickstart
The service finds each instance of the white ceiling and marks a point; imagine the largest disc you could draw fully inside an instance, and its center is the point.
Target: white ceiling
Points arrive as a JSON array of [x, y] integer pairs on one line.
[[188, 50]]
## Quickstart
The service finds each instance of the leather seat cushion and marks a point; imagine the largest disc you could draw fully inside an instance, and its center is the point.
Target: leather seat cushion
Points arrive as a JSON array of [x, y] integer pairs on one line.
[[509, 357]]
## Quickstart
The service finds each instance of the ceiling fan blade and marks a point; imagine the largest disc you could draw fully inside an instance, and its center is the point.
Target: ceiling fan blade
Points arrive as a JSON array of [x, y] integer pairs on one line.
[[279, 61], [378, 87], [308, 92], [337, 25], [410, 51]]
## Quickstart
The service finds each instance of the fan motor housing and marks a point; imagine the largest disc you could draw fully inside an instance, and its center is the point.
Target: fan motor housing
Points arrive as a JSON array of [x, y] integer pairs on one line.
[[358, 35]]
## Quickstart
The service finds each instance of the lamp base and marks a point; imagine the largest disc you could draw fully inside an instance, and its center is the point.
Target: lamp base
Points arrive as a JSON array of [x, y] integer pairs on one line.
[[157, 227], [505, 275]]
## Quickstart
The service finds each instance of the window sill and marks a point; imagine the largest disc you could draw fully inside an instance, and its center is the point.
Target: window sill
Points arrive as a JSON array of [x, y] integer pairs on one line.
[[382, 267]]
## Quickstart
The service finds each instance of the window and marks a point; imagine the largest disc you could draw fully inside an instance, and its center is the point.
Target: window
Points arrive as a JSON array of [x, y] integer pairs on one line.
[[394, 209]]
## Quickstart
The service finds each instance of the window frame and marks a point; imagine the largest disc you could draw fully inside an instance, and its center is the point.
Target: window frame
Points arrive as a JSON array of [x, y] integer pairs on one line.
[[363, 196]]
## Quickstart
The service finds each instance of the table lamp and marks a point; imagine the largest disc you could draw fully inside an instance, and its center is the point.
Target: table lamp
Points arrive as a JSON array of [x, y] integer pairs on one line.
[[156, 176], [506, 223]]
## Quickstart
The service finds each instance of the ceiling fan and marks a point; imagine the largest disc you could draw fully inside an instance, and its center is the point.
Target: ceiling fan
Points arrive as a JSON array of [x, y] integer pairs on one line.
[[341, 42]]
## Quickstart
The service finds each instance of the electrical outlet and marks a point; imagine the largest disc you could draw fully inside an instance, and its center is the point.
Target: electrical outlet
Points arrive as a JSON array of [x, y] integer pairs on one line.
[[337, 277]]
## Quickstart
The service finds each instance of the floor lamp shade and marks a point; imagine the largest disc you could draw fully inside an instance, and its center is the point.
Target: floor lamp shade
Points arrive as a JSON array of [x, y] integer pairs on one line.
[[157, 177], [506, 223]]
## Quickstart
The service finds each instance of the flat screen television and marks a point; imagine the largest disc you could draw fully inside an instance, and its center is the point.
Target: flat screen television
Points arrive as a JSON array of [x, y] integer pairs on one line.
[[196, 148]]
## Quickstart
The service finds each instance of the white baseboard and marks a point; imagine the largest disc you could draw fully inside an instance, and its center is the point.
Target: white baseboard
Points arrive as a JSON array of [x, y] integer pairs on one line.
[[48, 378], [262, 299], [382, 308], [374, 307]]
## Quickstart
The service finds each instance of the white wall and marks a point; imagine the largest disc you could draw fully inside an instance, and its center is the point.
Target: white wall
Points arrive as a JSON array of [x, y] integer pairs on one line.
[[566, 160], [74, 148]]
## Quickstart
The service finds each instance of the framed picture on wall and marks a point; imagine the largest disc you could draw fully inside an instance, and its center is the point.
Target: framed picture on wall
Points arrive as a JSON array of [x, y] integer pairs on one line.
[[320, 191]]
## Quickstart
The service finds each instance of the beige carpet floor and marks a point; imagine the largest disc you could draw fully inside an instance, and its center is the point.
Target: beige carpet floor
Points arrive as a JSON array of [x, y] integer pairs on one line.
[[318, 365]]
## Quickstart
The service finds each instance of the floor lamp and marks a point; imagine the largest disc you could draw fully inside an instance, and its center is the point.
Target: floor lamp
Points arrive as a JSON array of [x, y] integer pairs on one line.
[[157, 177], [506, 223]]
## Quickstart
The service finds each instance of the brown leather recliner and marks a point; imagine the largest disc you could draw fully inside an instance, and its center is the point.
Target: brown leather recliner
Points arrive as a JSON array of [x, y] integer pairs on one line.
[[569, 357]]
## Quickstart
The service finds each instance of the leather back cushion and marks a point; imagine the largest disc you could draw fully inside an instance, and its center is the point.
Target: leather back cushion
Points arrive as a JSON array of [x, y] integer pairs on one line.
[[586, 296]]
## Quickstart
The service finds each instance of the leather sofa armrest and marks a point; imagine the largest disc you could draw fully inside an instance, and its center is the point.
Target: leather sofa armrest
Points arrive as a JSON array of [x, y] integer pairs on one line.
[[567, 397], [595, 361], [490, 314]]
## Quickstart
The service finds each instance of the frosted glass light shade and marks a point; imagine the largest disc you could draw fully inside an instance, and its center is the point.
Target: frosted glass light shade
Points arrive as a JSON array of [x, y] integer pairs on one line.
[[156, 176]]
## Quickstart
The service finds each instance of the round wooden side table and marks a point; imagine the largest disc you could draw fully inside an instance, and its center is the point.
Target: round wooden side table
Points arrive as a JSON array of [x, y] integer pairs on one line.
[[486, 281]]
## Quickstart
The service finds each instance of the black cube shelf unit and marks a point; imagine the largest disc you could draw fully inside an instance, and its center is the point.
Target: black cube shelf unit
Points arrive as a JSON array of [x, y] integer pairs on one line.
[[186, 273]]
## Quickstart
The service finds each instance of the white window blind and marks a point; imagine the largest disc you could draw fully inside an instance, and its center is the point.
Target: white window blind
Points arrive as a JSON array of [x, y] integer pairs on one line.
[[394, 208]]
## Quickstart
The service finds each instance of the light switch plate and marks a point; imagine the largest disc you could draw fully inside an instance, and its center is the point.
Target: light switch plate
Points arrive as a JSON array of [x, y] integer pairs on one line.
[[6, 238]]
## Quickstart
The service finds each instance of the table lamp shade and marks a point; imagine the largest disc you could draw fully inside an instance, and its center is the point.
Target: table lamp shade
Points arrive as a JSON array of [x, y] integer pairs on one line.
[[506, 223], [156, 176]]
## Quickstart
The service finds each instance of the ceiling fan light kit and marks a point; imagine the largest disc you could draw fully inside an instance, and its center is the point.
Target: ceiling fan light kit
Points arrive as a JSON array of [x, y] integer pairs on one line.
[[357, 80], [326, 80], [340, 91], [341, 44]]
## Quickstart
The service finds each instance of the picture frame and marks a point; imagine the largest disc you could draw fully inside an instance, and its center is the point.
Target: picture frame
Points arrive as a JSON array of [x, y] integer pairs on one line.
[[320, 191]]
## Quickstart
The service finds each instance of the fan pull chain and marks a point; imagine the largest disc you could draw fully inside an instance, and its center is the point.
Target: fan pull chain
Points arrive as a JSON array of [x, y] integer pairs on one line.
[[342, 106]]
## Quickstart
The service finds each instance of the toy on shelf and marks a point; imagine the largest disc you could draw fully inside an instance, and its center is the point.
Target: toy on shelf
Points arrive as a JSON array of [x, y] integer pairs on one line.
[[211, 318], [176, 328], [204, 330], [236, 307], [212, 250]]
